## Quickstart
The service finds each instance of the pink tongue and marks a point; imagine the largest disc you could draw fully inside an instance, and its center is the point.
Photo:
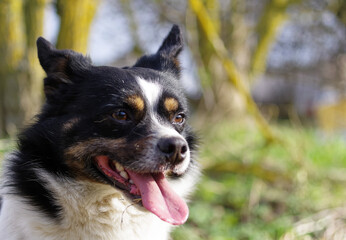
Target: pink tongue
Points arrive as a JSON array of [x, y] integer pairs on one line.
[[159, 198]]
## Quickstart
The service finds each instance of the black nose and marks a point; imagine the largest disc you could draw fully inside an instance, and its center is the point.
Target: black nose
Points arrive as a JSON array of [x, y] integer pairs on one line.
[[173, 148]]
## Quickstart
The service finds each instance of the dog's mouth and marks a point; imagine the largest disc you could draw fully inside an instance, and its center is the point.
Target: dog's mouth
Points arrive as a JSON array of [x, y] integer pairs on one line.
[[153, 188]]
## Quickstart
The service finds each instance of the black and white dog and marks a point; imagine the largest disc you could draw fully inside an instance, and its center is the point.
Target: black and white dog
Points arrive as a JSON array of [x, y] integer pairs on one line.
[[110, 156]]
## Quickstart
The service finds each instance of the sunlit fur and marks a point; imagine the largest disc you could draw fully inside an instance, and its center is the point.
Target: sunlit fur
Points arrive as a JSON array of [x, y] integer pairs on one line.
[[90, 211], [52, 187]]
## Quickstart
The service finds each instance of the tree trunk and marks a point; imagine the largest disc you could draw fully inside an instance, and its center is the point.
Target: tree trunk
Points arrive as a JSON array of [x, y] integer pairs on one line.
[[12, 49], [32, 93], [273, 17], [20, 71], [75, 21]]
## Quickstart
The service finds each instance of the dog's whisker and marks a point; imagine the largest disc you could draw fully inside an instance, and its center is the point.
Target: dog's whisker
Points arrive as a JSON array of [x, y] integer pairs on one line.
[[122, 215], [100, 121]]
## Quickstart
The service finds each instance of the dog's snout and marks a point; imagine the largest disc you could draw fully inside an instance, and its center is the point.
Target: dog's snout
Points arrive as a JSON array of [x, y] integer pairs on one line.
[[173, 148]]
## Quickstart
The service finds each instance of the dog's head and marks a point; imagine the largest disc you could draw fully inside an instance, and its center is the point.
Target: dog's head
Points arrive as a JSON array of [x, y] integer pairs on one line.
[[126, 127]]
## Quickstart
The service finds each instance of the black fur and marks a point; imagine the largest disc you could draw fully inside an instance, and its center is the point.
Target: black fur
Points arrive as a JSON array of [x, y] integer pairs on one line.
[[27, 184], [76, 123]]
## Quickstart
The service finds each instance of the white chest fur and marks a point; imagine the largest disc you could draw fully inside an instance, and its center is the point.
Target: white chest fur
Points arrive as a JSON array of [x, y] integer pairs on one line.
[[90, 211]]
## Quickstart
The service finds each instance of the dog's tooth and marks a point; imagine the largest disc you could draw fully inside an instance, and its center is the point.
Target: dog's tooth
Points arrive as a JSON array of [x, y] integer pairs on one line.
[[124, 174], [130, 181], [119, 167]]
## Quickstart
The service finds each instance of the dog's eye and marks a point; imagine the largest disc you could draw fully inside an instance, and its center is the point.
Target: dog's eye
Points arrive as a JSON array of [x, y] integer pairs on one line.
[[179, 119], [121, 116]]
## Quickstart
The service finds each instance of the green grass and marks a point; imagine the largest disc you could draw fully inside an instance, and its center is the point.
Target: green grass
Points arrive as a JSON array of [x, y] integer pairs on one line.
[[251, 190]]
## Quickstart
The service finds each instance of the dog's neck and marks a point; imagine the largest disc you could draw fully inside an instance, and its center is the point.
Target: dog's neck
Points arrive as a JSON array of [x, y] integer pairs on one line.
[[89, 206], [89, 211]]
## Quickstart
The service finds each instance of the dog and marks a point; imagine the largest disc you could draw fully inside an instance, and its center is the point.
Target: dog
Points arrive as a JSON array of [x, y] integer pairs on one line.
[[110, 155]]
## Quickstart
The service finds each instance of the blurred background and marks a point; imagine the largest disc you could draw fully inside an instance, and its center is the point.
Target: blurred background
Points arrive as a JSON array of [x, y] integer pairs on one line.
[[266, 80]]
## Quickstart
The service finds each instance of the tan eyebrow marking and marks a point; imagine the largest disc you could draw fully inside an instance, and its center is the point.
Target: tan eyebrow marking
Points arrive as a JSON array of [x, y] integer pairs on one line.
[[136, 102], [171, 104]]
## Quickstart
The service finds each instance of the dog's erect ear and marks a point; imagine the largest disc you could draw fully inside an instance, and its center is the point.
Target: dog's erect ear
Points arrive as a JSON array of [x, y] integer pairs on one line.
[[166, 58], [172, 45], [60, 66]]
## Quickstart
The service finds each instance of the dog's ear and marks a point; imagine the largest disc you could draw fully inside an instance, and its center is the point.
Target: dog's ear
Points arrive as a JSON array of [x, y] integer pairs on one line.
[[60, 67], [172, 45], [166, 58]]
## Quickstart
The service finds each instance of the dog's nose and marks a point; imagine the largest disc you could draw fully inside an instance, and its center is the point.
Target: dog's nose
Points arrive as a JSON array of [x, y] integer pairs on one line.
[[173, 148]]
